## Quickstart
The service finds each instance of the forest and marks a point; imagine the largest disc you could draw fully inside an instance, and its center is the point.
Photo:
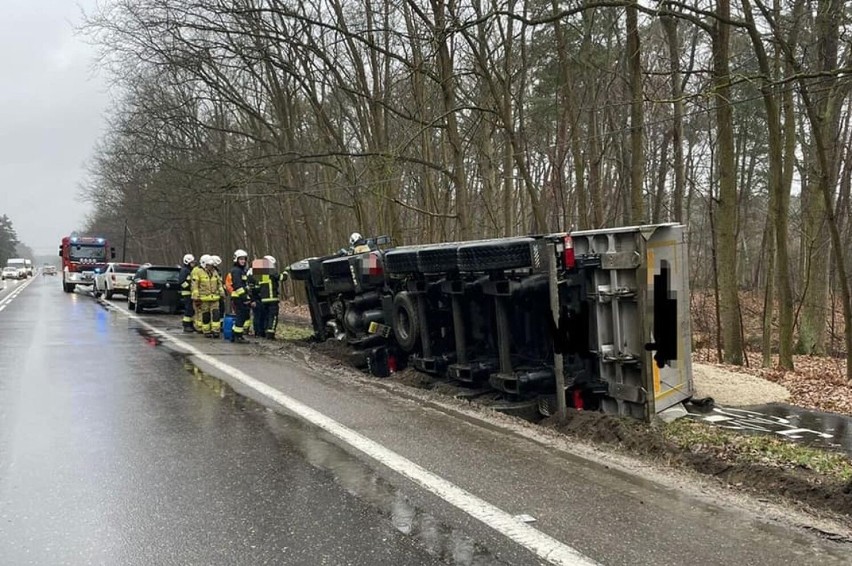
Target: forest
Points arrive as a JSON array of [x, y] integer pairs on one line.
[[282, 126]]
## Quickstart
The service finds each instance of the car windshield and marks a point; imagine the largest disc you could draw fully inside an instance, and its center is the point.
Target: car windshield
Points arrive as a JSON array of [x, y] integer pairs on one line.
[[10, 269], [163, 275], [125, 268], [78, 251]]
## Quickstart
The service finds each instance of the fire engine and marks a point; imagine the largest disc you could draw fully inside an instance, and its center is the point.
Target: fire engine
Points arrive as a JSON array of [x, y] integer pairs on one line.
[[82, 257]]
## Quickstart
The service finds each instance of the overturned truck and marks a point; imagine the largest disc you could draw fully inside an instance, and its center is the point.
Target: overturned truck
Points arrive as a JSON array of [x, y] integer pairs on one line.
[[611, 305]]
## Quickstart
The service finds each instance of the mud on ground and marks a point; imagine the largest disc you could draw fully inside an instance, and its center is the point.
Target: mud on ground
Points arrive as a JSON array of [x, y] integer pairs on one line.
[[756, 464]]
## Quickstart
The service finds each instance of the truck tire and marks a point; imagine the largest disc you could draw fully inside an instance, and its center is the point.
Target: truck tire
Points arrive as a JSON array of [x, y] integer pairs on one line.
[[497, 255], [401, 261], [438, 259], [67, 287], [406, 321], [108, 295]]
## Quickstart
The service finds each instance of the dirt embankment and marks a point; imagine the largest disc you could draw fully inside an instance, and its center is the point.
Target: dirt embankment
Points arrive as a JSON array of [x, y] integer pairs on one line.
[[761, 464]]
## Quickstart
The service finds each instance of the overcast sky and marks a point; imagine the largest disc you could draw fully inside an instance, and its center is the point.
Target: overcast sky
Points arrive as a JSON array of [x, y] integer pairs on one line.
[[51, 113]]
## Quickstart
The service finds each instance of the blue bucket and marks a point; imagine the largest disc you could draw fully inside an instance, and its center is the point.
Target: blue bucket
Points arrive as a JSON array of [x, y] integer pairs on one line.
[[228, 326]]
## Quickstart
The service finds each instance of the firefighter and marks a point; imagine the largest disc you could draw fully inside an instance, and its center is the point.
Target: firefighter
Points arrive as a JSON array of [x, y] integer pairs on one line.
[[240, 296], [194, 276], [186, 292], [207, 290], [267, 294], [357, 244], [217, 261]]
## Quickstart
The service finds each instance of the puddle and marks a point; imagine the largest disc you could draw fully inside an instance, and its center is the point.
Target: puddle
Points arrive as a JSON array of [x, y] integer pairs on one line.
[[823, 430], [319, 449]]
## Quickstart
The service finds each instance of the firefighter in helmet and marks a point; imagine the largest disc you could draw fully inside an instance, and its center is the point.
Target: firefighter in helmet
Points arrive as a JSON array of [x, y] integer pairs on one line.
[[195, 275], [207, 291], [186, 292], [266, 290], [217, 261], [240, 296], [357, 244]]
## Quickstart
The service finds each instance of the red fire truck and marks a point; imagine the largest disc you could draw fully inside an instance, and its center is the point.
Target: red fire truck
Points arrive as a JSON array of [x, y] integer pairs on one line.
[[81, 257]]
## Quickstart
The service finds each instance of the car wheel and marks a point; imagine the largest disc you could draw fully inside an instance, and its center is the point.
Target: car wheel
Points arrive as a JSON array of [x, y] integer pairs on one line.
[[496, 256], [108, 295], [130, 304], [137, 308], [406, 321]]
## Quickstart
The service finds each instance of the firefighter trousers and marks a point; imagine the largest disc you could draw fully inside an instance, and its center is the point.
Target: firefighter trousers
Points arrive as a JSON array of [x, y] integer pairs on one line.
[[188, 312], [211, 318], [242, 321], [271, 318]]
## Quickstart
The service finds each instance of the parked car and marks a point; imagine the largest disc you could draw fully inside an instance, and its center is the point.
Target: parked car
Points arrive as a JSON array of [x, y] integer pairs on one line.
[[115, 279], [13, 273], [155, 286]]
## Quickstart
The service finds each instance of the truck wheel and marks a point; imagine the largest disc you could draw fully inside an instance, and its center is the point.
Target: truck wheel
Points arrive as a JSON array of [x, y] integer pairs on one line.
[[68, 287], [108, 295], [406, 321], [496, 256]]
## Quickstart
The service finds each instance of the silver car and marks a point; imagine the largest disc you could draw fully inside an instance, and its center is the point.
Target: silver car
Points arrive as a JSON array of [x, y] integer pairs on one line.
[[114, 279]]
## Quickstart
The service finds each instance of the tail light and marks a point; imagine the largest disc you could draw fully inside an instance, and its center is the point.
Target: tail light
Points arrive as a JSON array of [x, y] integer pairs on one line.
[[568, 253], [145, 284]]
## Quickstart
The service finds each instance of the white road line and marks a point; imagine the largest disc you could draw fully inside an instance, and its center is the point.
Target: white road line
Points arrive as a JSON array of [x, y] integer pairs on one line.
[[542, 545], [5, 301]]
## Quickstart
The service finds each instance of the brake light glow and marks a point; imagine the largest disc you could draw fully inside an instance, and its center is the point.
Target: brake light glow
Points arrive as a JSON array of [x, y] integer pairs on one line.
[[568, 255], [145, 284]]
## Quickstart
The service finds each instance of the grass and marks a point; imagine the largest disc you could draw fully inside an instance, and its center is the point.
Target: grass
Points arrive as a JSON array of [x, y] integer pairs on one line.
[[293, 332], [757, 449]]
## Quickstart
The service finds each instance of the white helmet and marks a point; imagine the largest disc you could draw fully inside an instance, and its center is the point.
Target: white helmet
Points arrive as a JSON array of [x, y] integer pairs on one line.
[[205, 260], [270, 259], [240, 253], [354, 238], [188, 258], [216, 260]]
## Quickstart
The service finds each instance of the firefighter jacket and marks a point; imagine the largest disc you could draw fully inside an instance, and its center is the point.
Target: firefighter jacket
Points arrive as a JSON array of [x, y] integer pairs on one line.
[[207, 286], [239, 284], [185, 281], [266, 287]]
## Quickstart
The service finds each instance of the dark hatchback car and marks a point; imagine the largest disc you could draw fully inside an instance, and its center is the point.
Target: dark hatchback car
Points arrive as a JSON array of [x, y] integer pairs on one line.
[[155, 286]]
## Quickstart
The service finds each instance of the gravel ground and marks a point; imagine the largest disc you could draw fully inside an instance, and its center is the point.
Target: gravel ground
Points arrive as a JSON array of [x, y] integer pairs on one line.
[[735, 389]]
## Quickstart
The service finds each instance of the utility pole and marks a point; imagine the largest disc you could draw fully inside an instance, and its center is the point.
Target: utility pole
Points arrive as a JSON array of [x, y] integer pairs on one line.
[[124, 244]]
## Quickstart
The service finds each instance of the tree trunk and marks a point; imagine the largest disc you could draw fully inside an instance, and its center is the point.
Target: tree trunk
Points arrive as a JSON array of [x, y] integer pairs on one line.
[[726, 172], [636, 213]]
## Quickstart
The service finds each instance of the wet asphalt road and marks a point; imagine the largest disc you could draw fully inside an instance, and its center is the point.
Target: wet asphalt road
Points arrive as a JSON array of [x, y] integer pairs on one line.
[[112, 452]]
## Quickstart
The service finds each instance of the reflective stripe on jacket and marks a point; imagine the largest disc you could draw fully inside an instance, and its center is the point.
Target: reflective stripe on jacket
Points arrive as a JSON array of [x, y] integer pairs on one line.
[[239, 282], [185, 281], [268, 287], [207, 287]]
